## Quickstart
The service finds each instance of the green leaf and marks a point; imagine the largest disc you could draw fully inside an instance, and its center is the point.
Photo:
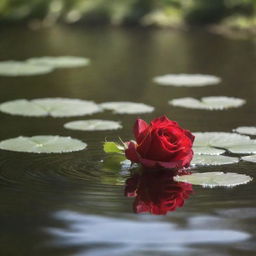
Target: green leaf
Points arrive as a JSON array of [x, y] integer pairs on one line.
[[113, 162], [112, 147]]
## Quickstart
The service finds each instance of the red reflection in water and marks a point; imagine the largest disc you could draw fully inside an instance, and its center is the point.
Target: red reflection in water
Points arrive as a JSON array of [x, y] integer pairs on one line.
[[156, 192]]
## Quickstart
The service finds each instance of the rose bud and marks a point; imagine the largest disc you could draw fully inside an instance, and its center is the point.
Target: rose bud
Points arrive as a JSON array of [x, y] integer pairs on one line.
[[162, 143]]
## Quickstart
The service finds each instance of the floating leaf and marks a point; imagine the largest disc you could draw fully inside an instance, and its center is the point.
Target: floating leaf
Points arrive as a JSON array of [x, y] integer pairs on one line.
[[213, 160], [207, 151], [22, 107], [219, 139], [63, 107], [112, 147], [20, 68], [93, 125], [55, 107], [251, 159], [249, 130], [60, 62], [249, 148], [208, 103], [214, 179], [113, 162], [124, 107], [189, 80], [43, 144], [235, 143]]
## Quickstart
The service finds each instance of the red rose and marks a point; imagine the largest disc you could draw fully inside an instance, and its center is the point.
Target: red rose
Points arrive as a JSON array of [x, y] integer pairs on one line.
[[156, 192], [162, 143]]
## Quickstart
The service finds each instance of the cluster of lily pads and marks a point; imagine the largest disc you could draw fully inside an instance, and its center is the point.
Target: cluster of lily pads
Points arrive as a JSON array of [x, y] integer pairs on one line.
[[209, 147], [64, 107], [198, 80], [58, 107]]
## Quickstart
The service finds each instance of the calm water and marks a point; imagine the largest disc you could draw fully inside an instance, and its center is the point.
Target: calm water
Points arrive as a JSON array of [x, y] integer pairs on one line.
[[71, 204]]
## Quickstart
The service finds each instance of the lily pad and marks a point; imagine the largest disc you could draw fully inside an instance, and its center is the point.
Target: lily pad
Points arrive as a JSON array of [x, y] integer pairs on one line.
[[249, 130], [214, 179], [93, 125], [125, 107], [43, 144], [251, 159], [208, 103], [60, 62], [207, 151], [213, 160], [55, 107], [249, 148], [235, 143], [219, 139], [21, 68], [189, 80]]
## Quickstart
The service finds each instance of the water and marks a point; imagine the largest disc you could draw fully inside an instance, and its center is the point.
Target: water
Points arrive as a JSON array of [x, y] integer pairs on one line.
[[70, 204]]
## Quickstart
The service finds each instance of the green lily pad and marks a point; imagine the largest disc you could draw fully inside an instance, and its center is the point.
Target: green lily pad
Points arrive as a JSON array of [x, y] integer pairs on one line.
[[43, 144], [235, 143], [93, 125], [207, 150], [125, 107], [219, 139], [60, 61], [55, 107], [213, 160], [249, 148], [249, 130], [251, 158], [214, 179], [208, 103], [21, 68], [188, 80]]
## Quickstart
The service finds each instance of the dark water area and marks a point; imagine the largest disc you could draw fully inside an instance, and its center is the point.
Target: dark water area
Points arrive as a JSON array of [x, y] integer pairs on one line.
[[71, 204]]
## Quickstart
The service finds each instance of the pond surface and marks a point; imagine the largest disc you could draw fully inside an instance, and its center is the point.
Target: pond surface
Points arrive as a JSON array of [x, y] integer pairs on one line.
[[70, 204]]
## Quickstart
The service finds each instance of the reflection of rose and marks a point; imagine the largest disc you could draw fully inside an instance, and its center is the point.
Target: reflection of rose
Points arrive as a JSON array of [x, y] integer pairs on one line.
[[162, 143], [156, 192]]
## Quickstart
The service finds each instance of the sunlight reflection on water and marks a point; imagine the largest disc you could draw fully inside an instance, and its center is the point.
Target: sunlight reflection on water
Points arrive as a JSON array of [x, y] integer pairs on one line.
[[124, 236]]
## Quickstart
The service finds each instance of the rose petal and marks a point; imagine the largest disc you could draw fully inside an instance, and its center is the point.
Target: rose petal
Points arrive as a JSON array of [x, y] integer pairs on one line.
[[183, 158], [131, 152], [145, 144], [148, 163], [170, 165], [158, 149], [139, 127], [163, 121], [190, 135]]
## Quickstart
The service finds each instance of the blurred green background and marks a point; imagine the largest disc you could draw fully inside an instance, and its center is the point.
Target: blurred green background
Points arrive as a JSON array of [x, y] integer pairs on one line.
[[239, 14]]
